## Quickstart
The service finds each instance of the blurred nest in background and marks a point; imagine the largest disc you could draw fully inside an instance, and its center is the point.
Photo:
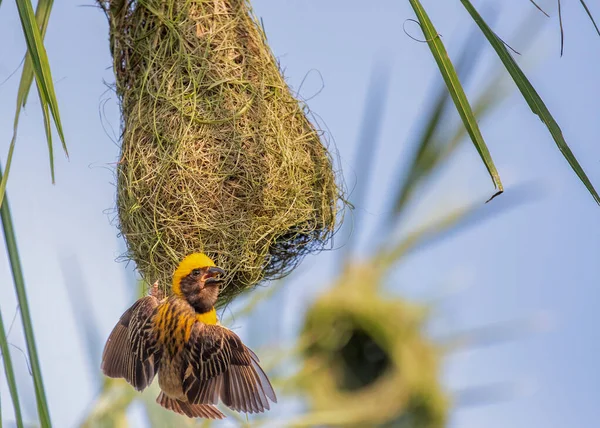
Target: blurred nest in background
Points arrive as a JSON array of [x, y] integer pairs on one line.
[[217, 155], [367, 361]]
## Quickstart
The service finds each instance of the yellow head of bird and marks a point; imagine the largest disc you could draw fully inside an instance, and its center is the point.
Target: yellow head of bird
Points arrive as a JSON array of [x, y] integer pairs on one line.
[[191, 263]]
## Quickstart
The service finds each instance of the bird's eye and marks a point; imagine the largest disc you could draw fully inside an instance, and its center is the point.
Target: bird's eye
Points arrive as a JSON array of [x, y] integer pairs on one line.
[[196, 272]]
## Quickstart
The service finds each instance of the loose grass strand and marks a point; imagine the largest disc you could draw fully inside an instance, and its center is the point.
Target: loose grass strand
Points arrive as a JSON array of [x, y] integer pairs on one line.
[[589, 14], [539, 8], [562, 31]]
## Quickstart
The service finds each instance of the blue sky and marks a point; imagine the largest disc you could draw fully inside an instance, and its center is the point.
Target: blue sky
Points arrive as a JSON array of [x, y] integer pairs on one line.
[[539, 259]]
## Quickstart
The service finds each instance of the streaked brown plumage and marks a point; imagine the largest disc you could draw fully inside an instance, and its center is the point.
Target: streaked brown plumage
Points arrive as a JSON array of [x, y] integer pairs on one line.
[[198, 361]]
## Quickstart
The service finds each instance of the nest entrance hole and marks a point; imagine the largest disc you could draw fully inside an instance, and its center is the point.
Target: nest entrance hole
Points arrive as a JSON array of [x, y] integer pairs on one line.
[[363, 361]]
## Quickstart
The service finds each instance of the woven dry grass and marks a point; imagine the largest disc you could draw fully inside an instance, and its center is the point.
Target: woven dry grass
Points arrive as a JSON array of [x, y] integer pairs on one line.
[[217, 154]]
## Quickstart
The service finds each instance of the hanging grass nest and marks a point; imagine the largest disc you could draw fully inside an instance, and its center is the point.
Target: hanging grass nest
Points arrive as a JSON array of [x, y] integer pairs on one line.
[[217, 155], [367, 362]]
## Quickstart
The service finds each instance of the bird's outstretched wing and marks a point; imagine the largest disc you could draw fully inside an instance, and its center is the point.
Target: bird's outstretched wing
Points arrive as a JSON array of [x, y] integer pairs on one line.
[[131, 351], [216, 364]]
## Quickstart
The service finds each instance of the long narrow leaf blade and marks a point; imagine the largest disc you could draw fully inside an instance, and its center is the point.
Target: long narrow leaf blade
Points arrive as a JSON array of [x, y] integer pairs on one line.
[[30, 68], [10, 375], [456, 91], [39, 59], [42, 16], [47, 129], [11, 150], [19, 282], [531, 96], [426, 155]]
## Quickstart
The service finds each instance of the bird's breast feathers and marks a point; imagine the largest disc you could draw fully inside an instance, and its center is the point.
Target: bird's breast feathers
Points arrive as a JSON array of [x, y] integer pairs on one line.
[[174, 320], [209, 317]]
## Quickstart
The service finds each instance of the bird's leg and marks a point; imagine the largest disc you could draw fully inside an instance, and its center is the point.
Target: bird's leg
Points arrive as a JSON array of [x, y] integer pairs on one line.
[[155, 291]]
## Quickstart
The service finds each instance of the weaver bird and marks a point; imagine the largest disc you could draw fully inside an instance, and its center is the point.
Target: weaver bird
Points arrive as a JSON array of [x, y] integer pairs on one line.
[[179, 337]]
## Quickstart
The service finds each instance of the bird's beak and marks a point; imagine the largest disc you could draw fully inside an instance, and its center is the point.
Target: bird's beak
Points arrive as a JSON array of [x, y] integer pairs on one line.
[[214, 275]]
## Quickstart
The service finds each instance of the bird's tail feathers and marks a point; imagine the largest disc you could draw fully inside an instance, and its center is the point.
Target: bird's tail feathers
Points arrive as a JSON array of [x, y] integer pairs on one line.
[[206, 411]]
